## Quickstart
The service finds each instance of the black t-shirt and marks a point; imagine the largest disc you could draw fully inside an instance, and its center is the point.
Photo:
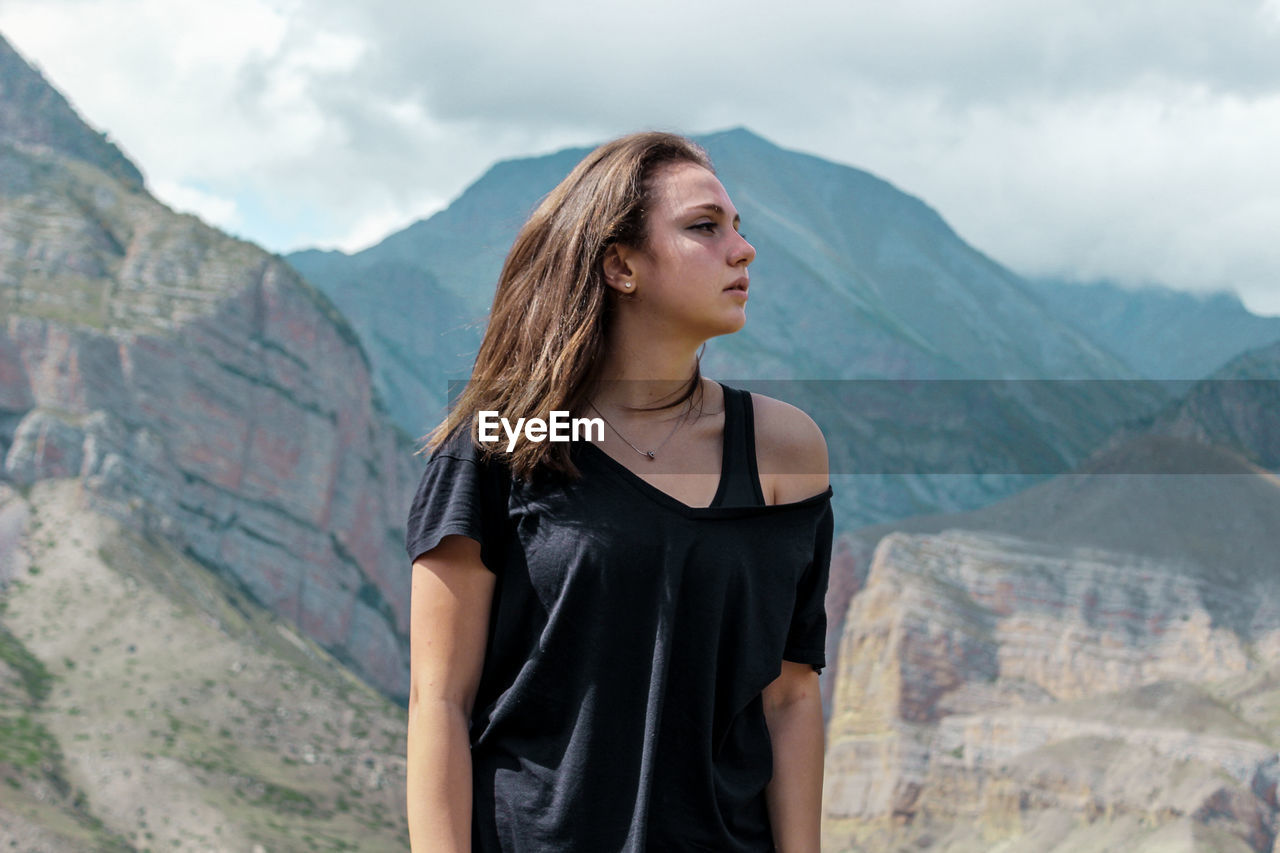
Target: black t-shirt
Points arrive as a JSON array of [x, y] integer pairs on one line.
[[630, 636]]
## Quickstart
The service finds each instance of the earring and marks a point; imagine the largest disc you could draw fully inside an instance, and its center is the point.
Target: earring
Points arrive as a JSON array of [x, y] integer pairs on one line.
[[628, 284]]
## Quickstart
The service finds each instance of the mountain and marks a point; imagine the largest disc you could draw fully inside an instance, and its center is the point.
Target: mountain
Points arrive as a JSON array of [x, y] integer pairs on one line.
[[146, 703], [1079, 664], [33, 114], [1091, 663], [854, 279], [200, 524], [996, 692], [866, 308], [1237, 406], [202, 491], [1161, 333], [419, 299], [202, 393], [1191, 482]]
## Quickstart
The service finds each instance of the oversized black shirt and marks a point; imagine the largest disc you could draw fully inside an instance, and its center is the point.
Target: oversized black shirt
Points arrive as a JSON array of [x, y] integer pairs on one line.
[[630, 637]]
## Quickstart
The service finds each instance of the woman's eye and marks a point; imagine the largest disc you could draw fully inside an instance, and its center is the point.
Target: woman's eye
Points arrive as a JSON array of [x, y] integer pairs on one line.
[[708, 226]]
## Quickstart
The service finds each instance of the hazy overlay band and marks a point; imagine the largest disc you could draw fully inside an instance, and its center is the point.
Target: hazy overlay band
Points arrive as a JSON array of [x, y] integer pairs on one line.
[[1035, 427]]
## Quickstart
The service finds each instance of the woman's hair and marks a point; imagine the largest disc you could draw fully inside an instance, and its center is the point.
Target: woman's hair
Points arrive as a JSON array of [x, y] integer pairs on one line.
[[551, 312]]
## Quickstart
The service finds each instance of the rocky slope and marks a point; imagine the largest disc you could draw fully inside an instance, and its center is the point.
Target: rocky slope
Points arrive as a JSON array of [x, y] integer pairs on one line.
[[1236, 406], [201, 391], [999, 693], [146, 704], [34, 113], [1156, 496]]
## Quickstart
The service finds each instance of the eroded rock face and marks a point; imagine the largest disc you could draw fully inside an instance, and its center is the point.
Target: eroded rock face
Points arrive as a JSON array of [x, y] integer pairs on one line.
[[205, 393], [44, 447], [286, 483], [983, 679]]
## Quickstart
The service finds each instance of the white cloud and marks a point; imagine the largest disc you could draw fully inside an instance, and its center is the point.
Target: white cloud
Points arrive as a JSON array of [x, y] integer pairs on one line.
[[371, 228], [1086, 137], [1172, 187], [213, 209]]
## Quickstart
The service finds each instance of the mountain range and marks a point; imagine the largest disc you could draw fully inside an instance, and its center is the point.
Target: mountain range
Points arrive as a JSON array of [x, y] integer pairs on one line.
[[845, 285], [856, 286], [1160, 333]]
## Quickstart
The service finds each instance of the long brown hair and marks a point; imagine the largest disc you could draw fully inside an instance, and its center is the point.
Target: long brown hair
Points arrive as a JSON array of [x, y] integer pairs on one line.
[[550, 317]]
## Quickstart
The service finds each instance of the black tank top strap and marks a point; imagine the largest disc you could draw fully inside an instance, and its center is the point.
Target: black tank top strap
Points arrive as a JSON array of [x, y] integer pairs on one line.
[[739, 479]]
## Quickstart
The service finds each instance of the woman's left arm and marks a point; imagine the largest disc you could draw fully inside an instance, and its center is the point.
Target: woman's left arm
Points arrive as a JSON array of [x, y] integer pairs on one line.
[[792, 457], [793, 711]]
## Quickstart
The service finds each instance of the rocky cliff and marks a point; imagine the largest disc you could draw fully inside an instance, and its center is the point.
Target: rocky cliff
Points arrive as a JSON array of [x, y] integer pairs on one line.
[[1190, 482], [996, 691], [1091, 664], [201, 391]]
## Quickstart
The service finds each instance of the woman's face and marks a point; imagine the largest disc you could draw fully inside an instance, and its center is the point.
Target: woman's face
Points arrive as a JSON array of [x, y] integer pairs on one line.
[[691, 274]]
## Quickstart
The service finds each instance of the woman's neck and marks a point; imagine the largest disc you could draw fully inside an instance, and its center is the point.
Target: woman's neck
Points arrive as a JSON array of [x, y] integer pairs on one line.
[[639, 376]]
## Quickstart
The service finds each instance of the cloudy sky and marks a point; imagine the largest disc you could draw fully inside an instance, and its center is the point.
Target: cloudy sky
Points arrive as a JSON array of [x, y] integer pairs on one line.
[[1087, 138]]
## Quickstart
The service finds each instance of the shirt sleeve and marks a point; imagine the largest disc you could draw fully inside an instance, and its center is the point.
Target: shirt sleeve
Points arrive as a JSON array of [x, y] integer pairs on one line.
[[458, 494], [807, 637]]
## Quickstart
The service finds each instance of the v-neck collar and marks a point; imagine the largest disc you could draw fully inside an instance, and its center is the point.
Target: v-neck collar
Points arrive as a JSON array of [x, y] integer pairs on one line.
[[665, 497], [653, 491], [642, 486], [713, 510]]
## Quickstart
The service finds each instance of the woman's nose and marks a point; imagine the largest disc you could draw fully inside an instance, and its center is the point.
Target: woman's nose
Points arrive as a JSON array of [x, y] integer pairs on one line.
[[744, 251]]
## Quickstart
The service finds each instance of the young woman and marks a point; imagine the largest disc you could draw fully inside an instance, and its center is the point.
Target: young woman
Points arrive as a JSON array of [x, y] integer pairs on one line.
[[615, 643]]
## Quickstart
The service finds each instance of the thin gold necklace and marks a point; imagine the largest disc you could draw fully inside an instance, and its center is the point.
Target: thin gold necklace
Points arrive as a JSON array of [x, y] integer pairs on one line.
[[648, 454]]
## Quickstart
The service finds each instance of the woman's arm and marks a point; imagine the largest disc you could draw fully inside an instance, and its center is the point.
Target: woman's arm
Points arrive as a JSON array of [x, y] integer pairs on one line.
[[793, 711], [448, 624], [792, 459]]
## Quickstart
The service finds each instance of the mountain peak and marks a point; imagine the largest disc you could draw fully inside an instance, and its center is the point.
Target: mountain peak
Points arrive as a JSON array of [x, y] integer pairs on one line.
[[736, 134], [33, 112]]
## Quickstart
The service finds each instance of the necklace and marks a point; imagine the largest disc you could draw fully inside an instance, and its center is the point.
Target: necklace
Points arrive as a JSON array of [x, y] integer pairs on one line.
[[648, 454]]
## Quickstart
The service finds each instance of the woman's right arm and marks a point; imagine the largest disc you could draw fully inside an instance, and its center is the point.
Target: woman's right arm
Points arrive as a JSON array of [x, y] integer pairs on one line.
[[448, 624]]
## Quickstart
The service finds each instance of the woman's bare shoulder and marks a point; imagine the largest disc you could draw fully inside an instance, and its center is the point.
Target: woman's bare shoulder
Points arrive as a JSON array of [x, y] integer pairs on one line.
[[791, 451]]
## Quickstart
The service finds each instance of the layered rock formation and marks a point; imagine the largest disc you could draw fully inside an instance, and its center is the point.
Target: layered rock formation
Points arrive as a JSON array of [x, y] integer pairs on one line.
[[997, 691], [198, 387], [1091, 664]]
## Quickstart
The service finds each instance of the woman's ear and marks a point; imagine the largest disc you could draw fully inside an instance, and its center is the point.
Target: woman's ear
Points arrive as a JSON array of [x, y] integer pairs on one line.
[[617, 272]]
